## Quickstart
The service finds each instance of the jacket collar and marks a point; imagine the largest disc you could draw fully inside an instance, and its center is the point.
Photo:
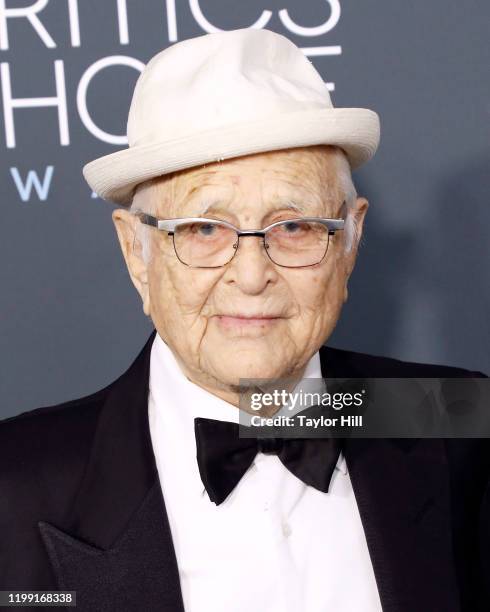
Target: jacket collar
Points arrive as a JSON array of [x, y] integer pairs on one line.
[[119, 517], [121, 469]]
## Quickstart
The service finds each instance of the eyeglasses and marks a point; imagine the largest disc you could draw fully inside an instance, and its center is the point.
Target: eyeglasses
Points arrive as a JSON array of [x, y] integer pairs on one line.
[[209, 243]]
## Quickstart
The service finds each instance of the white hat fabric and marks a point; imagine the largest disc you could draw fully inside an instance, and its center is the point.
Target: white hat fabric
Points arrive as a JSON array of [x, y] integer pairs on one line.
[[223, 95]]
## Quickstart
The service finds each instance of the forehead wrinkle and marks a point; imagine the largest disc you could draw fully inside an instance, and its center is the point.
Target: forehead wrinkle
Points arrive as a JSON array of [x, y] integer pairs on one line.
[[317, 165], [310, 171], [195, 194], [305, 199], [311, 174], [196, 178], [178, 188], [202, 181]]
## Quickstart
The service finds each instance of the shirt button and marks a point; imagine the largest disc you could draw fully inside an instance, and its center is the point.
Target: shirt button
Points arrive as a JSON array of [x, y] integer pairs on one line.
[[286, 529]]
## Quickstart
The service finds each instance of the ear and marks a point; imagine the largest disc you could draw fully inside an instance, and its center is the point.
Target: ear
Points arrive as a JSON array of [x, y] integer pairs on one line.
[[126, 225], [357, 214]]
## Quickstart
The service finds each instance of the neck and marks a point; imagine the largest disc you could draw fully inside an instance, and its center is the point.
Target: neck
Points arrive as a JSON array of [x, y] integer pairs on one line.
[[233, 393]]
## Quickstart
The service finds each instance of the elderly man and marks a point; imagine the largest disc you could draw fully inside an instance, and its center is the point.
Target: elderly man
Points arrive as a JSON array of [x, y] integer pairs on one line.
[[240, 227]]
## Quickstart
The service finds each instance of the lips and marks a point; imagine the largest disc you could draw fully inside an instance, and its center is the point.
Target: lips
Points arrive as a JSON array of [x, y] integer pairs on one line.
[[242, 321], [250, 316]]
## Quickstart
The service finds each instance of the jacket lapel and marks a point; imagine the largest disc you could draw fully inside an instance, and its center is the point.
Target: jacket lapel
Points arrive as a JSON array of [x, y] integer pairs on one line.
[[402, 492], [115, 548]]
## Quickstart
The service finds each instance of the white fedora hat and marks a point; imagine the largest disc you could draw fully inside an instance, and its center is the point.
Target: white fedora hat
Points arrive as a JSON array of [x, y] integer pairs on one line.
[[223, 95]]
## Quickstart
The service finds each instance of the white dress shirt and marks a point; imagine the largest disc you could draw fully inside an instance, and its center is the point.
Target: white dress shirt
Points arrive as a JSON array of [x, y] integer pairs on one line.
[[275, 544]]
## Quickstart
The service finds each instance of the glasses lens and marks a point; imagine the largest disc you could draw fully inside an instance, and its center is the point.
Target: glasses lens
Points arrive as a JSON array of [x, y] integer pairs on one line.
[[204, 244], [297, 243]]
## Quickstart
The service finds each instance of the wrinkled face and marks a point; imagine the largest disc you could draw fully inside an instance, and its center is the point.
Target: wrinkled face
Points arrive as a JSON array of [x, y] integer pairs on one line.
[[198, 312]]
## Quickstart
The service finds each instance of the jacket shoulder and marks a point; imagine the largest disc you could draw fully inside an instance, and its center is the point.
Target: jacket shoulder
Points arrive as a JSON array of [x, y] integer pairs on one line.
[[49, 422], [344, 363], [43, 452], [46, 449]]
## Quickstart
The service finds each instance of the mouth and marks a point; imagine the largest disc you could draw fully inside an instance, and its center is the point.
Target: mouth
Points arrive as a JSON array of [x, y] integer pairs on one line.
[[234, 321]]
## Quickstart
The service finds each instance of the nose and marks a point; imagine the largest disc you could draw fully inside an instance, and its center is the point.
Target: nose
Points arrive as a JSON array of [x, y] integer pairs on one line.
[[251, 269]]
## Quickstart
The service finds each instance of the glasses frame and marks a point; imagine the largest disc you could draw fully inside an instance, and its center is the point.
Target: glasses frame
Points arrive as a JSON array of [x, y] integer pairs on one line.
[[170, 225]]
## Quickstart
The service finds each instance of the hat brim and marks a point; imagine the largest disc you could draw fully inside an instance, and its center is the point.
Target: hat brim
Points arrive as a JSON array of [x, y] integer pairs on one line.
[[356, 130]]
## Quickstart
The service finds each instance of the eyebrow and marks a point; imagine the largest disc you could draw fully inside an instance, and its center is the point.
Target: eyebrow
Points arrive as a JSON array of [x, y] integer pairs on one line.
[[216, 206]]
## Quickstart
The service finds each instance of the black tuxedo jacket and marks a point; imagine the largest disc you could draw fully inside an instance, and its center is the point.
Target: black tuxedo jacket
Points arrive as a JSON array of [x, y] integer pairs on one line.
[[81, 506]]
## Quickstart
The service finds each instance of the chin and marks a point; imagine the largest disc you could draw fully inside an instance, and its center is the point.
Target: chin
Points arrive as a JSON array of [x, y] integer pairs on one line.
[[249, 363]]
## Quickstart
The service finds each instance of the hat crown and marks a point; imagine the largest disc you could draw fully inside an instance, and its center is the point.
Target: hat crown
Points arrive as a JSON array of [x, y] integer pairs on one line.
[[221, 79]]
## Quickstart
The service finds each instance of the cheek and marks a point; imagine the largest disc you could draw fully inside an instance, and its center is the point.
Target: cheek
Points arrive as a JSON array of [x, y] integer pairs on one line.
[[319, 294], [319, 286], [180, 295]]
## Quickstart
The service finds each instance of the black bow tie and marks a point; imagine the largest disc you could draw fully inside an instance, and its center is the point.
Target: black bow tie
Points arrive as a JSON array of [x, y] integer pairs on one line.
[[223, 457]]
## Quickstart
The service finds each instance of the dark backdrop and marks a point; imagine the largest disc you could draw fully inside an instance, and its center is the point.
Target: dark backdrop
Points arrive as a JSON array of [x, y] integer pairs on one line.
[[70, 319]]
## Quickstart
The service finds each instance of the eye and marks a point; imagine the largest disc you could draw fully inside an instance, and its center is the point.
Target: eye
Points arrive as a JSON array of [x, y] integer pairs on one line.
[[207, 229], [203, 229], [294, 228], [291, 227]]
